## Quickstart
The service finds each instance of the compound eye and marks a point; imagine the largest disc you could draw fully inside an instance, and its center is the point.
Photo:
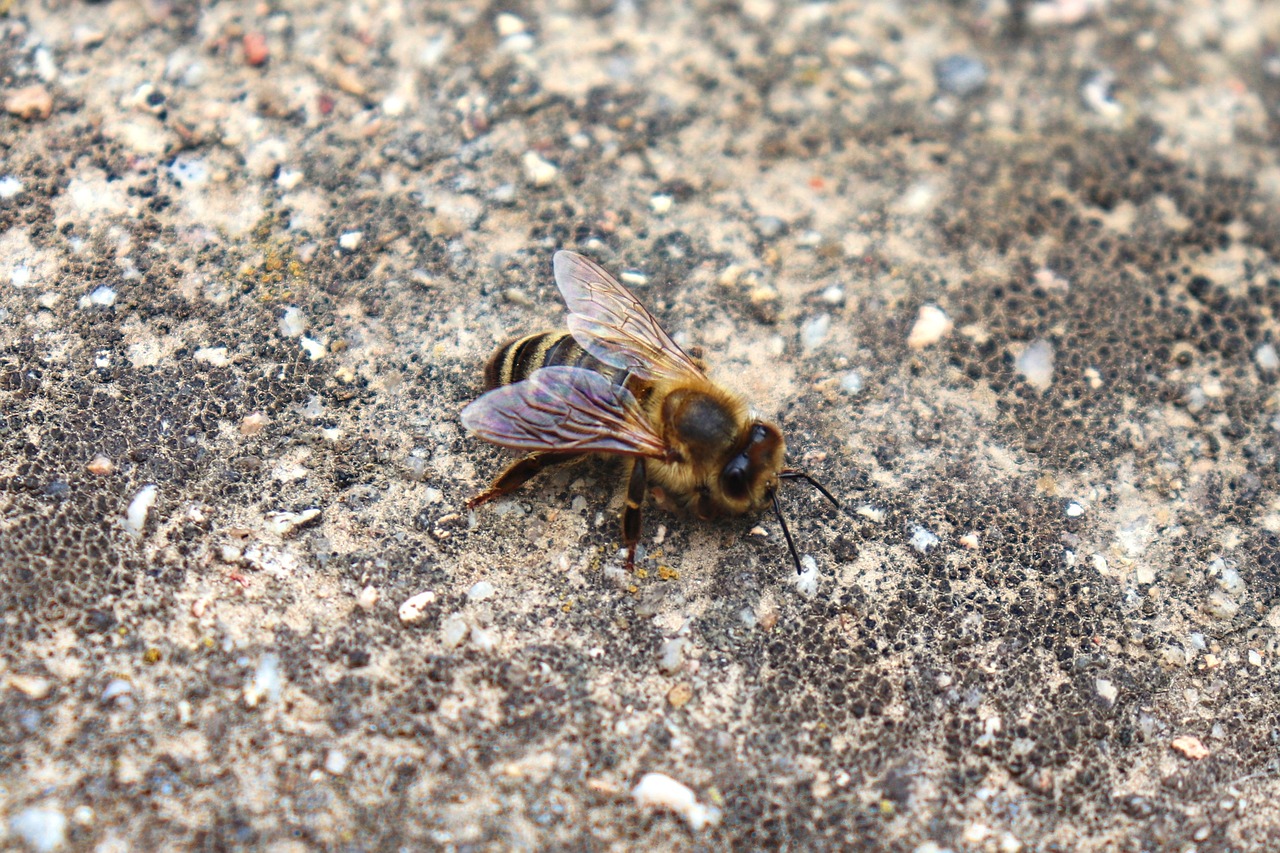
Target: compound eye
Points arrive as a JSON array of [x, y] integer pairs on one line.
[[734, 476]]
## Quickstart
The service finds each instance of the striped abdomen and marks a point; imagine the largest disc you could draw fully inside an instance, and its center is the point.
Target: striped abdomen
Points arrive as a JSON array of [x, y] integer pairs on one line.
[[519, 357]]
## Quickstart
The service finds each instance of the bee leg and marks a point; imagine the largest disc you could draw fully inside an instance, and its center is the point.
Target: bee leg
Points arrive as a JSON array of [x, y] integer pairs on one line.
[[631, 510], [517, 474]]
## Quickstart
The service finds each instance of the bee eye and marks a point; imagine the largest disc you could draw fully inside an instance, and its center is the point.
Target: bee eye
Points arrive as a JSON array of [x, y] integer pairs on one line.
[[734, 476]]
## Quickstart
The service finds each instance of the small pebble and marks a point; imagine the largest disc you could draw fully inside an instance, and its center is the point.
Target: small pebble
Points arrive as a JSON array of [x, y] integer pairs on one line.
[[9, 187], [537, 171], [213, 356], [480, 591], [851, 383], [43, 829], [350, 240], [657, 790], [453, 631], [806, 580], [679, 695], [923, 540], [960, 75], [335, 762], [267, 683], [661, 203], [507, 25], [414, 607], [293, 323], [100, 466], [484, 639], [1266, 357], [1189, 746], [313, 348], [30, 686], [770, 227], [671, 655], [932, 325], [116, 688], [102, 296], [1074, 510], [1106, 690], [368, 598], [29, 103], [284, 523], [135, 517], [833, 296], [1255, 657], [814, 334], [253, 423], [634, 278], [970, 541], [256, 51], [1036, 364]]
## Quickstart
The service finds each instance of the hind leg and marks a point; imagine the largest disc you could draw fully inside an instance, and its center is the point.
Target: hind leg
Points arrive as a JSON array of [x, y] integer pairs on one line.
[[518, 473]]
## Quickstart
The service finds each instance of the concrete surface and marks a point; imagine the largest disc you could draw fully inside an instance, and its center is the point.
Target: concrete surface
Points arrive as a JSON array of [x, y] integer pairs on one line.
[[1006, 273]]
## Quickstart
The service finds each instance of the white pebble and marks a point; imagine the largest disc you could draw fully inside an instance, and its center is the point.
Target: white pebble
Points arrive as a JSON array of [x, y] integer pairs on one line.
[[635, 278], [413, 608], [43, 830], [293, 322], [20, 276], [932, 325], [1266, 357], [1074, 510], [213, 356], [350, 240], [335, 762], [284, 523], [1106, 690], [313, 348], [289, 178], [1036, 364], [484, 639], [480, 591], [670, 656], [923, 540], [9, 187], [102, 296], [189, 171], [661, 203], [657, 790], [833, 296], [1255, 657], [116, 687], [508, 24], [814, 333], [368, 598], [267, 682], [851, 383], [806, 580], [538, 171], [872, 513], [135, 517], [454, 631]]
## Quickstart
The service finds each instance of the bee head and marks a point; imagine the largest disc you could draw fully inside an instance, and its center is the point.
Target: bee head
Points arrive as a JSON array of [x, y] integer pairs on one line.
[[750, 477]]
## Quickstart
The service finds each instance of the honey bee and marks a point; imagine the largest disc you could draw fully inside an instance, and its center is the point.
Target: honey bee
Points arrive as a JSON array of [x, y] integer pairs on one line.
[[616, 384]]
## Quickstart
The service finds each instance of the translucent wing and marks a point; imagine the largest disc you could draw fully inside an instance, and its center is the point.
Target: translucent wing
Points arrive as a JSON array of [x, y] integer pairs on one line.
[[564, 409], [611, 324]]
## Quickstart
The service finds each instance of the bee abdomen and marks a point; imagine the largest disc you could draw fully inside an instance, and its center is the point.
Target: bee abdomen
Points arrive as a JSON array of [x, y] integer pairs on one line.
[[519, 357]]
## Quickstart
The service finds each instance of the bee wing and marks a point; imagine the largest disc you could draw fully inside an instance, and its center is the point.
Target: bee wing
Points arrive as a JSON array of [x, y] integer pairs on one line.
[[612, 325], [564, 409]]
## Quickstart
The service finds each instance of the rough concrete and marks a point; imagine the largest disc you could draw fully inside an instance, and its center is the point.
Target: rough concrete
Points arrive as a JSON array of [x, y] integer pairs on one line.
[[253, 256]]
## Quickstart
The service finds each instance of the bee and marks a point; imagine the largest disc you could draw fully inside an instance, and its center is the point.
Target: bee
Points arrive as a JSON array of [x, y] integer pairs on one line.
[[616, 384]]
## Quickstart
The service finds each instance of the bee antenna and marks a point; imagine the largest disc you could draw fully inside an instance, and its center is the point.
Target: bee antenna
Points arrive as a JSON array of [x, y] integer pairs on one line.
[[793, 474], [791, 543]]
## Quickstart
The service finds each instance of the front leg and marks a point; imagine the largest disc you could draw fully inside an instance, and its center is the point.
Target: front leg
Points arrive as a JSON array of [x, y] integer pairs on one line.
[[631, 510], [518, 473]]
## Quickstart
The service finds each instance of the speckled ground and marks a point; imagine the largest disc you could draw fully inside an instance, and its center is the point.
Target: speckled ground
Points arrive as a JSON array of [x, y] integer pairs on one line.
[[1007, 274]]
